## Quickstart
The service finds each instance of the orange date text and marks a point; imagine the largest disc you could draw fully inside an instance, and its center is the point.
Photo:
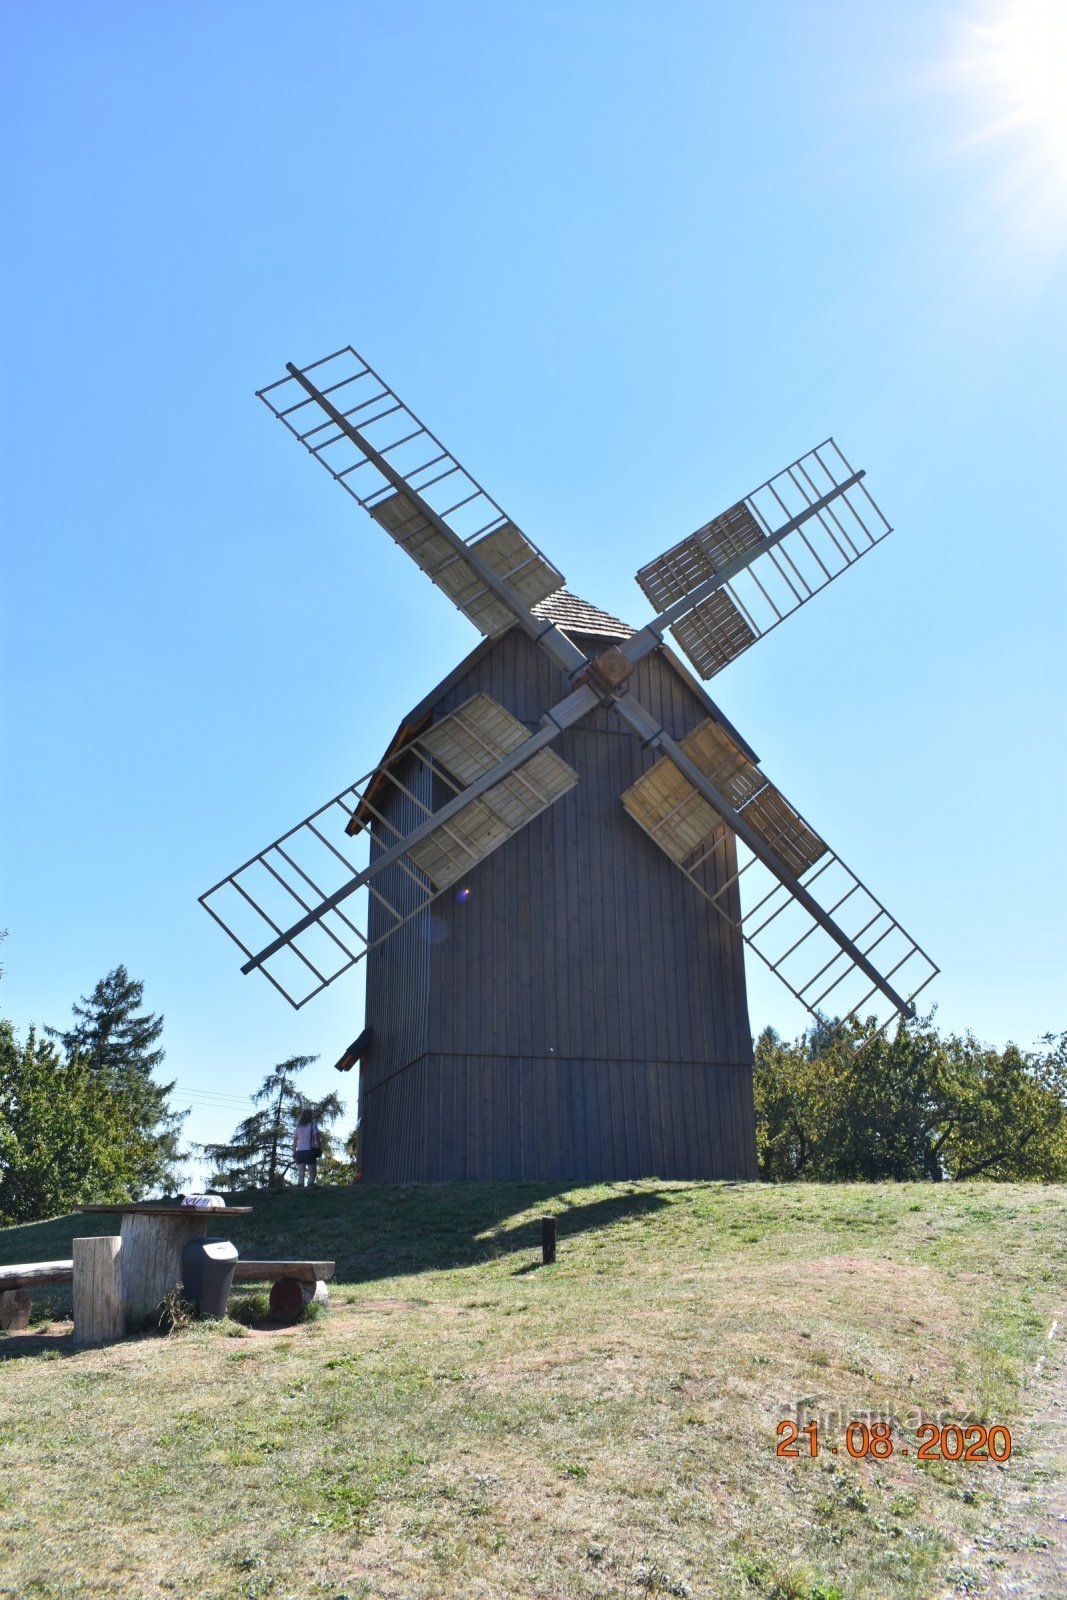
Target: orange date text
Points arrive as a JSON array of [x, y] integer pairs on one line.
[[973, 1442]]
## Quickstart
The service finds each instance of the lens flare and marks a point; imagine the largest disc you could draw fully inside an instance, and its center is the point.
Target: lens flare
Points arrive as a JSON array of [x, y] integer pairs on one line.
[[1009, 61]]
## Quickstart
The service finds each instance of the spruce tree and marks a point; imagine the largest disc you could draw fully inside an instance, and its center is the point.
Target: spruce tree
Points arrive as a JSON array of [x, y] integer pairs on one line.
[[120, 1043], [107, 1030]]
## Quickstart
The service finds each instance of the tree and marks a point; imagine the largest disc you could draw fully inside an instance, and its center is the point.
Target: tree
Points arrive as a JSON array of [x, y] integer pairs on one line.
[[108, 1031], [341, 1166], [1010, 1115], [258, 1154], [849, 1103], [120, 1043], [794, 1112], [64, 1136]]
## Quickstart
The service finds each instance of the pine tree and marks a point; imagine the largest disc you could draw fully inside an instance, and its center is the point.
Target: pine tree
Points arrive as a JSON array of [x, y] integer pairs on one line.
[[119, 1042], [258, 1155]]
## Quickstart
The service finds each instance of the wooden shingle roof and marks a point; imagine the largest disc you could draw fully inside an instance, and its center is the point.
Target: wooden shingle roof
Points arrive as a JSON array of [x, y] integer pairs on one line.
[[575, 615]]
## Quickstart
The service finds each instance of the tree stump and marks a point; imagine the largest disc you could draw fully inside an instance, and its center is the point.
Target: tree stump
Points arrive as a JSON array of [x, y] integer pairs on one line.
[[152, 1246], [14, 1310], [289, 1296], [98, 1310], [287, 1300]]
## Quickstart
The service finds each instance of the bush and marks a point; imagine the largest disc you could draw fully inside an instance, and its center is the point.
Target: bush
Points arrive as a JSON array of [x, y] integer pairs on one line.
[[175, 1313]]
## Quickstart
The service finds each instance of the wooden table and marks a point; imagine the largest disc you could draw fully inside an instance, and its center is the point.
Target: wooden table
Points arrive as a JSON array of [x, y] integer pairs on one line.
[[153, 1238]]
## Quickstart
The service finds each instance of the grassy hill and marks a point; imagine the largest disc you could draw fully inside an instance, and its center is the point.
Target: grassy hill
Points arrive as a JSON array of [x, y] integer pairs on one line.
[[467, 1422]]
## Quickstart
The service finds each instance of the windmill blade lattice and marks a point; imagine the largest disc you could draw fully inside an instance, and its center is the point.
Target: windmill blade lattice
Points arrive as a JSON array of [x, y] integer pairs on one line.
[[796, 946], [315, 901], [743, 573], [355, 426]]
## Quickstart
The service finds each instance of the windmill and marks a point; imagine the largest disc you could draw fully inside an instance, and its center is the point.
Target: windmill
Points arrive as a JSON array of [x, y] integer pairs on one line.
[[554, 936]]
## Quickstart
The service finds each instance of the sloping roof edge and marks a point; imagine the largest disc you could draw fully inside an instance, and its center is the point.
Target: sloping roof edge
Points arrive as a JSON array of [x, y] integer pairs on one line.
[[709, 704]]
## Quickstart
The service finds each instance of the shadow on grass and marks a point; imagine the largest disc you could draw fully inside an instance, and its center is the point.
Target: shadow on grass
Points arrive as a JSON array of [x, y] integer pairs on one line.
[[465, 1225], [381, 1232], [15, 1345]]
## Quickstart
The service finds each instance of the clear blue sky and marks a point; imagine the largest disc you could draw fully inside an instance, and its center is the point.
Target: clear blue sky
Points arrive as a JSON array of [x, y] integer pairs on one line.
[[628, 261]]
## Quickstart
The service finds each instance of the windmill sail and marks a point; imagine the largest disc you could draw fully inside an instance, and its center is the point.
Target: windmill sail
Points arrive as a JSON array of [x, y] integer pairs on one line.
[[314, 902], [740, 575], [356, 427], [821, 971], [468, 744]]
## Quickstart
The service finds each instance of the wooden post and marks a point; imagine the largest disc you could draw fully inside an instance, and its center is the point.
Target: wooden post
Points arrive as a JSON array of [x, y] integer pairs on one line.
[[287, 1300], [14, 1310], [98, 1312], [152, 1245], [548, 1240], [289, 1296]]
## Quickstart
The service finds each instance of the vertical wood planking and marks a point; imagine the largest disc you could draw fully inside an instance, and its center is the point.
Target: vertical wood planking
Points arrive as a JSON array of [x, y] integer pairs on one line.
[[580, 938], [588, 1103]]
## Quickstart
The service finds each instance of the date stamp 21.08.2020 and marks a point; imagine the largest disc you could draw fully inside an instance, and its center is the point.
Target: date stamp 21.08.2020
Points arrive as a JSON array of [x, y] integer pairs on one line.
[[976, 1443]]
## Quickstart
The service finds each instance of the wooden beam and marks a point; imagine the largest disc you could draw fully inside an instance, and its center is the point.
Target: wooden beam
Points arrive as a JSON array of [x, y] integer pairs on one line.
[[34, 1272], [264, 1271]]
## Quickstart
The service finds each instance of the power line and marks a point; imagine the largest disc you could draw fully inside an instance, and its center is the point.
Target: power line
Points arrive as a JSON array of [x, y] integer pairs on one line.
[[212, 1095]]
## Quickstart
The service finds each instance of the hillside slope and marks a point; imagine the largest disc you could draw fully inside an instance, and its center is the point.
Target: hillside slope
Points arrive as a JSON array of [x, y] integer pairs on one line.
[[467, 1422]]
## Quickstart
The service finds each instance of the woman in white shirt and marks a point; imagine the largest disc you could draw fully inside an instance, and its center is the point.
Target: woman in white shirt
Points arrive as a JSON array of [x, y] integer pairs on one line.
[[306, 1147]]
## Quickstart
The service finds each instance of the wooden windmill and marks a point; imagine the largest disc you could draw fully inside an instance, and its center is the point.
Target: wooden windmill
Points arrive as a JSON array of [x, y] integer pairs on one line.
[[554, 867]]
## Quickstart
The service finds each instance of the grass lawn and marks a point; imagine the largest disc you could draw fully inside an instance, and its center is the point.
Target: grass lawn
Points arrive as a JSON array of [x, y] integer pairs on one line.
[[466, 1422]]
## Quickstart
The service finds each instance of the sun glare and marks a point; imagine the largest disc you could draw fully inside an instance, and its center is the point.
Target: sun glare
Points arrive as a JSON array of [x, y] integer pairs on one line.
[[1011, 60]]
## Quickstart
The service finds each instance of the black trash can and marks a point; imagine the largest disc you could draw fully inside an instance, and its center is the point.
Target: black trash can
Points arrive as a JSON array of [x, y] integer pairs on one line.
[[207, 1274]]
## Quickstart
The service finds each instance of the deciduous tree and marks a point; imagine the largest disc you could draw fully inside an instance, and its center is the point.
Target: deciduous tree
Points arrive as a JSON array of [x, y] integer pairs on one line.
[[64, 1136], [849, 1103]]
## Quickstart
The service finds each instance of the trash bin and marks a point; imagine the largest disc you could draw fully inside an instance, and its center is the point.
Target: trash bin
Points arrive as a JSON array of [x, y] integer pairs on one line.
[[207, 1274]]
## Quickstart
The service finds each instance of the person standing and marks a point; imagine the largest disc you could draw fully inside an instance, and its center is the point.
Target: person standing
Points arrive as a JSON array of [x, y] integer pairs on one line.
[[306, 1147]]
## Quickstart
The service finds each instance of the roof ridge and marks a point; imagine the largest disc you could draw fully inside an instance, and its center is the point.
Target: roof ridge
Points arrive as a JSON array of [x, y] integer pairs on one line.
[[573, 614]]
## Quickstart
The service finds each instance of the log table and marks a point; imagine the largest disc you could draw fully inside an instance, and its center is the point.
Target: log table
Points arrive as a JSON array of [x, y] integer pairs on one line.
[[153, 1238]]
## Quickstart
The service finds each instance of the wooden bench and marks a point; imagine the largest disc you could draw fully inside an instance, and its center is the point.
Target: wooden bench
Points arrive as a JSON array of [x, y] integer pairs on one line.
[[16, 1283], [307, 1279], [296, 1283]]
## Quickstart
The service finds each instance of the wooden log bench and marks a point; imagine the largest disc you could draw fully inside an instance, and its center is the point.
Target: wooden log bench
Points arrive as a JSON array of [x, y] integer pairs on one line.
[[295, 1284], [16, 1283]]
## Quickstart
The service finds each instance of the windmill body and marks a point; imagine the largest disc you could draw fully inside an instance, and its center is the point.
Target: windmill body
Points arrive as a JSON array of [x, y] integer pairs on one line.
[[553, 869], [571, 1009]]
